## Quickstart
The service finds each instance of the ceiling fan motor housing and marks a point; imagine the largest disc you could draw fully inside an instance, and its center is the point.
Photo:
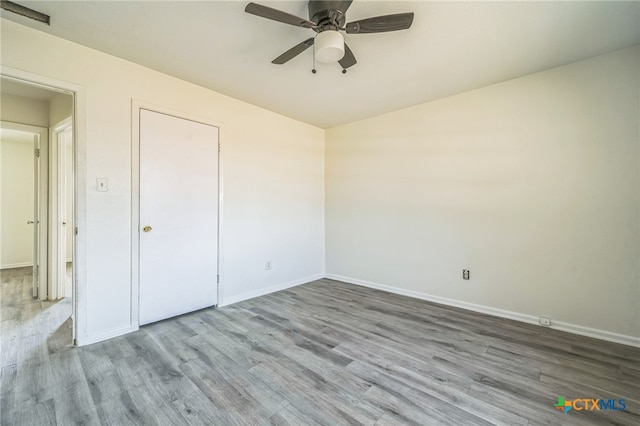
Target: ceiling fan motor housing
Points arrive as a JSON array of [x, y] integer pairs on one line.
[[327, 14]]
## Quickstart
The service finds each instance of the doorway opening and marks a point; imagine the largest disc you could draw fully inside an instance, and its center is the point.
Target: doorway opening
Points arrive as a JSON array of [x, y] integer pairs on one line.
[[37, 205]]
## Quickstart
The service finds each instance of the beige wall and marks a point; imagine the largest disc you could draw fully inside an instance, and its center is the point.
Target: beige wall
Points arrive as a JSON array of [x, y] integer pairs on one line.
[[18, 109], [272, 172], [16, 203], [60, 108], [532, 184]]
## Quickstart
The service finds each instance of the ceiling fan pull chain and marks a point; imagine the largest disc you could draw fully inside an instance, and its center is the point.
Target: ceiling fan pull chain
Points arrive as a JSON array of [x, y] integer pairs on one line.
[[313, 70]]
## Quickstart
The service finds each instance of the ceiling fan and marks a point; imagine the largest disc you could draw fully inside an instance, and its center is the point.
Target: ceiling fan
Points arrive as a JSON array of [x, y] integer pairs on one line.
[[327, 18]]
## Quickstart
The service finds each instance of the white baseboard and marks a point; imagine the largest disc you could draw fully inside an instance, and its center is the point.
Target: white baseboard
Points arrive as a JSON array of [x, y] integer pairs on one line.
[[230, 300], [16, 265], [530, 319], [88, 340], [596, 333]]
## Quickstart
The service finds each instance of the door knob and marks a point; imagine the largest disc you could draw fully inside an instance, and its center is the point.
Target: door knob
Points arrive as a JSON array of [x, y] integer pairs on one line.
[[147, 228], [29, 222]]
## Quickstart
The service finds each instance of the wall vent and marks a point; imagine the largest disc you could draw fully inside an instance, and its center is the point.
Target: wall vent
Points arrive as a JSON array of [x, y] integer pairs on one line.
[[25, 11]]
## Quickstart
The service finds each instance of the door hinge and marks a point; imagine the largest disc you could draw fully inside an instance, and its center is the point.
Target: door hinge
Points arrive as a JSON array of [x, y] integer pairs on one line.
[[37, 152], [218, 279], [76, 230], [218, 146], [36, 270]]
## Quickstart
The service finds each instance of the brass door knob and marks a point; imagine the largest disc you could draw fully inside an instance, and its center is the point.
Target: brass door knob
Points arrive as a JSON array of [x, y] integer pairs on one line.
[[147, 228]]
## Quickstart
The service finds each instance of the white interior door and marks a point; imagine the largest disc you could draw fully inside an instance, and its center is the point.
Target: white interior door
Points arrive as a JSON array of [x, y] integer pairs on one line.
[[36, 216], [62, 137], [62, 213], [178, 216]]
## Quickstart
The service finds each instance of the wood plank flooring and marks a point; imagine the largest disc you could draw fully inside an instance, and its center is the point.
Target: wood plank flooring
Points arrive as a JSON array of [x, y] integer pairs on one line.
[[324, 353]]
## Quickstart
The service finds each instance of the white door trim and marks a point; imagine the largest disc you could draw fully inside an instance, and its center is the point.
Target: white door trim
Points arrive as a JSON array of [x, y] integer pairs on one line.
[[78, 92], [136, 106]]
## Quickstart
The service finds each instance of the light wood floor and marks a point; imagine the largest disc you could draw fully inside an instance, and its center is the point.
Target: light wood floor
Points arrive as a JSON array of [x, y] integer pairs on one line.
[[321, 353]]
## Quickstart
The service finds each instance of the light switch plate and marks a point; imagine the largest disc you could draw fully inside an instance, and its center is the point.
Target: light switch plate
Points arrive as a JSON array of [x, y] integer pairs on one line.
[[102, 184]]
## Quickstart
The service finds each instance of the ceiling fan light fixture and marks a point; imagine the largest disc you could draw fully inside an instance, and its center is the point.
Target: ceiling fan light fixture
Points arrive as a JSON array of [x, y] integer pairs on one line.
[[329, 46], [327, 18]]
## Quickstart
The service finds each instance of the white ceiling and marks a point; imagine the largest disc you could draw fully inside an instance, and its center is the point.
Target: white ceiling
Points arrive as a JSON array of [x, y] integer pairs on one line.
[[452, 47]]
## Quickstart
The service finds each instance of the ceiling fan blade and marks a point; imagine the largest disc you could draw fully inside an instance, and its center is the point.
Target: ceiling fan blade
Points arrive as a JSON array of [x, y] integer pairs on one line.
[[381, 24], [278, 15], [342, 5], [293, 52], [348, 60]]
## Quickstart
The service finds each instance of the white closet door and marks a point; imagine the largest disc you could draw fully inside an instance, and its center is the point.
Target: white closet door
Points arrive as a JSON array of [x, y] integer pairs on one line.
[[178, 216]]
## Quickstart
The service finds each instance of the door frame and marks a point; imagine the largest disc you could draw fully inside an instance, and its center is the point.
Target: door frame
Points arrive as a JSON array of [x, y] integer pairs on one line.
[[79, 277], [58, 204], [136, 106], [42, 201]]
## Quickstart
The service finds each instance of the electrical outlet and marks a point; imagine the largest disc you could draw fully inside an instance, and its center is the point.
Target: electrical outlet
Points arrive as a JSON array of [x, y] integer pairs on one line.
[[267, 265], [546, 322], [465, 274]]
